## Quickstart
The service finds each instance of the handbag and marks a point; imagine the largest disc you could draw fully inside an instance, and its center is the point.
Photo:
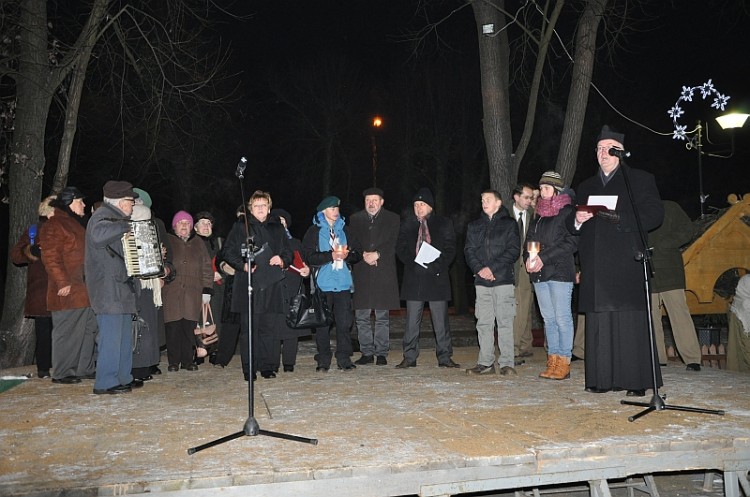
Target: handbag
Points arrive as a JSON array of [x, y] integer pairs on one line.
[[205, 332], [308, 311], [137, 326]]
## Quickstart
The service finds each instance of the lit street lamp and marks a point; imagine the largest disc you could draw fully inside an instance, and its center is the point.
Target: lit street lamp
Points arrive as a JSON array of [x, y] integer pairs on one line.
[[376, 123]]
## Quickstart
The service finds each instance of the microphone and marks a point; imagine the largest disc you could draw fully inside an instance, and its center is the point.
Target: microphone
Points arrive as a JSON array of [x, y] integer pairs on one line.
[[620, 154], [240, 172]]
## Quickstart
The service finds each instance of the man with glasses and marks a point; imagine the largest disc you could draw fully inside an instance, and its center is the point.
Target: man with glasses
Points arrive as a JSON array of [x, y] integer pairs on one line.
[[111, 290], [522, 213]]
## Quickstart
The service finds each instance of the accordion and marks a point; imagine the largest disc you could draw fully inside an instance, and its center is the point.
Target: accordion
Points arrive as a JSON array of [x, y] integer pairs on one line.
[[141, 249]]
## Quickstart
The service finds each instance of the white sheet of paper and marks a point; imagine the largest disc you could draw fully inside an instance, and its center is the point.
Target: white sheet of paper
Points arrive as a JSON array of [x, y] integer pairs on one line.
[[608, 201], [427, 254]]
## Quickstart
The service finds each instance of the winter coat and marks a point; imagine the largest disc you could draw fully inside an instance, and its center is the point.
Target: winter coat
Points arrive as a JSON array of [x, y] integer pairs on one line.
[[376, 286], [666, 240], [266, 279], [431, 283], [317, 253], [193, 277], [557, 247], [494, 243], [290, 285], [611, 277], [110, 288], [35, 304], [64, 240]]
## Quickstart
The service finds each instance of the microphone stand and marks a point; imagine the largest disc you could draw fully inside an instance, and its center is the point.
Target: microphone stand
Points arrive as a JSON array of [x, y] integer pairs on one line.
[[251, 427], [657, 402]]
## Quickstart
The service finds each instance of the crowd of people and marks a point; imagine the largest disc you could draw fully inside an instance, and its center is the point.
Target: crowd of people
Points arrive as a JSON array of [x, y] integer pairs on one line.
[[96, 320]]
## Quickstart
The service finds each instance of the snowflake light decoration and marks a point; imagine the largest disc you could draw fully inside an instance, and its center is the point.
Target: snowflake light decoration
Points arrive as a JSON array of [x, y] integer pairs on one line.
[[706, 90]]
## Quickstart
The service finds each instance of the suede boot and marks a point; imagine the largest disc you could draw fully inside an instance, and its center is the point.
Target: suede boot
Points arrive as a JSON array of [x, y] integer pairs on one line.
[[551, 364]]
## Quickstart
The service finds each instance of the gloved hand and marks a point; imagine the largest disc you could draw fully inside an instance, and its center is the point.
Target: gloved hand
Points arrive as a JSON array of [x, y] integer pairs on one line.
[[206, 298], [609, 216], [35, 250]]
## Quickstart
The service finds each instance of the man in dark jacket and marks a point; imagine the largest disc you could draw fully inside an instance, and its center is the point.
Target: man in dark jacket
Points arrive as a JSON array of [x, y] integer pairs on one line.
[[612, 292], [426, 282], [111, 291], [375, 279], [668, 285], [491, 250]]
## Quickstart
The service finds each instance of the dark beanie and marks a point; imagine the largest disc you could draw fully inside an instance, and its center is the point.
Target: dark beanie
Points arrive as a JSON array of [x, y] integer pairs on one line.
[[373, 191], [424, 195], [204, 215], [68, 195], [328, 202], [282, 213], [608, 133]]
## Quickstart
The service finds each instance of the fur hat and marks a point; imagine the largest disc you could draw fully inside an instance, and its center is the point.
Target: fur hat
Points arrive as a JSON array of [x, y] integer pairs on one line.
[[119, 189], [608, 133], [424, 195], [68, 195], [328, 202], [282, 213], [553, 179], [373, 191], [182, 216]]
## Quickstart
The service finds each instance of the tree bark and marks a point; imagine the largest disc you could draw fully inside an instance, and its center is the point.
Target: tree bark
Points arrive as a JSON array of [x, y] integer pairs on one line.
[[583, 69]]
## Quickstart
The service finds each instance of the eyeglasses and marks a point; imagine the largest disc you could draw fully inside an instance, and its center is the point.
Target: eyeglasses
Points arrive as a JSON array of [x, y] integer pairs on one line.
[[258, 206], [605, 149]]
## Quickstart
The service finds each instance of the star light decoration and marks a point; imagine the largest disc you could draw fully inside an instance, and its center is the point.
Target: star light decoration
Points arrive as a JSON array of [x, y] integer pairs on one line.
[[706, 90]]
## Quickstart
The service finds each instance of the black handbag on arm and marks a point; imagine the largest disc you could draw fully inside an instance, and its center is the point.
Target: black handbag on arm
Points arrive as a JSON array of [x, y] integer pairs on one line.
[[308, 311]]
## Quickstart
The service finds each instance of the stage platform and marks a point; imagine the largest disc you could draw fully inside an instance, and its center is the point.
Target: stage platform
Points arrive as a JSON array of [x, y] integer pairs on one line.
[[380, 431]]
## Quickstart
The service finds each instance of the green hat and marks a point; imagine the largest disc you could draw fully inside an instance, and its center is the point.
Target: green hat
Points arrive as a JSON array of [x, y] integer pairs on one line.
[[143, 195], [328, 202]]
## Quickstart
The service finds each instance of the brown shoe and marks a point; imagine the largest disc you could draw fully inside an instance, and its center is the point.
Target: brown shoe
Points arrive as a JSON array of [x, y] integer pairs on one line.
[[561, 370], [551, 364]]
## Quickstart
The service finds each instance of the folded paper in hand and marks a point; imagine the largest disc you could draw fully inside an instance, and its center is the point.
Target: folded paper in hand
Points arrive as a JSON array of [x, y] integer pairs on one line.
[[427, 254]]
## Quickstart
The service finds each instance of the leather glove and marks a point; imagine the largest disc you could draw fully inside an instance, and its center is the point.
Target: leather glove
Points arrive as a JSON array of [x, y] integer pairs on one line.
[[206, 298], [609, 216]]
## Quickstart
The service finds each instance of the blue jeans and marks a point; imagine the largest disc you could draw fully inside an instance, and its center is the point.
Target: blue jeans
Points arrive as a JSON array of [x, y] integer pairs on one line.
[[115, 359], [554, 298]]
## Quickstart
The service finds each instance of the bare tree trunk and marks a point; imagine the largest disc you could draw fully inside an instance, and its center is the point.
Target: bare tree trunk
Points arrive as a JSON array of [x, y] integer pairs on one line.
[[579, 88], [25, 176], [493, 61]]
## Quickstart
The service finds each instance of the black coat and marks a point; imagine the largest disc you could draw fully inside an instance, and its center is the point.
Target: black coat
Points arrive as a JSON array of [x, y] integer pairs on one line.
[[557, 247], [376, 287], [611, 277], [666, 240], [431, 283], [493, 243]]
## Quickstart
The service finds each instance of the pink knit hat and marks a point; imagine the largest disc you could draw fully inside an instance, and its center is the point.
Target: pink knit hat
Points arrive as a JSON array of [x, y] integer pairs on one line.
[[182, 216]]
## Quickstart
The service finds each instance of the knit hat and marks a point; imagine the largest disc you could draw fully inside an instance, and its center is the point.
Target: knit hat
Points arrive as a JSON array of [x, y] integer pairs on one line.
[[68, 195], [424, 195], [609, 134], [119, 189], [373, 191], [205, 215], [182, 216], [552, 178], [282, 213], [144, 196], [328, 202]]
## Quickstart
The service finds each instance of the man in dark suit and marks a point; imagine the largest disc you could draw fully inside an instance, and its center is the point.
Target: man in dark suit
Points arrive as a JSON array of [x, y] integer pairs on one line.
[[375, 279], [612, 287], [428, 282]]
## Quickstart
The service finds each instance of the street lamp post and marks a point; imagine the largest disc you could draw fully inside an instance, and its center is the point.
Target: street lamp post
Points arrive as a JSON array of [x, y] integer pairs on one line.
[[376, 123]]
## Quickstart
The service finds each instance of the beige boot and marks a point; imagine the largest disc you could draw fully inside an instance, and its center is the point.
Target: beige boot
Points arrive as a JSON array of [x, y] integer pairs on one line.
[[562, 369], [551, 362]]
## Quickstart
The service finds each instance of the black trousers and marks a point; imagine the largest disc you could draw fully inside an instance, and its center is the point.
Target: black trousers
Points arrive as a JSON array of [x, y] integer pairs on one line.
[[341, 305], [43, 353]]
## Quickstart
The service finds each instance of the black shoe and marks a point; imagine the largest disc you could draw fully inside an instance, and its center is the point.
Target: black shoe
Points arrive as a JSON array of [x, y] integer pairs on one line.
[[381, 361], [365, 359], [90, 376], [322, 369], [268, 374], [173, 367], [449, 364], [135, 383], [636, 393], [114, 390], [406, 363], [348, 367], [597, 390], [191, 367], [288, 368], [693, 367], [519, 362], [144, 378], [155, 370], [507, 371], [68, 380], [43, 373], [574, 358]]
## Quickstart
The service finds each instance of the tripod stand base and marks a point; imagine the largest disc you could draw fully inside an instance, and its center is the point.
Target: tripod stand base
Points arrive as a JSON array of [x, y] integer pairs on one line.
[[252, 429], [657, 404]]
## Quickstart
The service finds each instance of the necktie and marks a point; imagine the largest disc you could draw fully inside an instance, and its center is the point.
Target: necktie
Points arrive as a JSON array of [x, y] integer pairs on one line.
[[520, 225]]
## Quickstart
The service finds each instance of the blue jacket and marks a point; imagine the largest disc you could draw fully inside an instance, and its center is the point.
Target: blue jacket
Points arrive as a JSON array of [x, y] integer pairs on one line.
[[317, 252]]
